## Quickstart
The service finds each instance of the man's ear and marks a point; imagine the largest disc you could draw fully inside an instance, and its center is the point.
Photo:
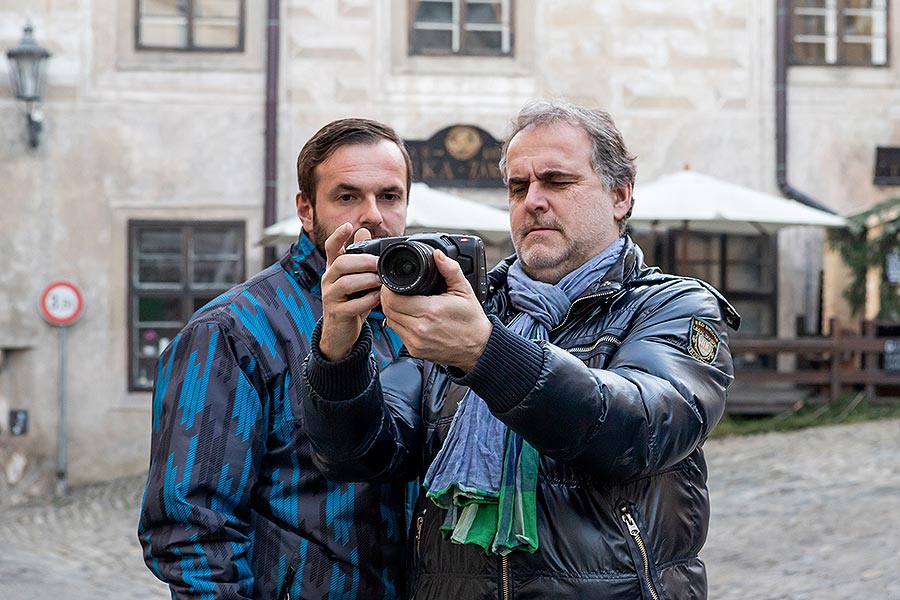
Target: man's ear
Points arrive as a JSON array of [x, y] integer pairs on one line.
[[622, 201], [305, 211]]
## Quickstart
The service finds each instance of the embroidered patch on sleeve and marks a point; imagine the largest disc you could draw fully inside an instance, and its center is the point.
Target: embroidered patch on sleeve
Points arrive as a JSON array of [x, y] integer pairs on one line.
[[705, 341]]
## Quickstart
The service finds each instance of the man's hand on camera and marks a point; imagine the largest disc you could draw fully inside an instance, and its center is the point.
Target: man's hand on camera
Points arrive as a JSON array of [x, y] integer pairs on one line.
[[350, 289], [450, 328]]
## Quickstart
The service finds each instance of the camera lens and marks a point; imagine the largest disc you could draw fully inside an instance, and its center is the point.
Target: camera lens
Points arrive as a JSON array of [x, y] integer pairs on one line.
[[408, 268]]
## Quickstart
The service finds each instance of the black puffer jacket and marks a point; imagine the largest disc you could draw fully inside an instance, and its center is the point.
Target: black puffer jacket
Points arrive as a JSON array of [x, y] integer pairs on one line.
[[618, 404]]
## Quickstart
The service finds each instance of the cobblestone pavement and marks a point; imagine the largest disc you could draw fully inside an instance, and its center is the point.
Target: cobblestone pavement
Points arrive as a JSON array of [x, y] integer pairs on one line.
[[811, 514]]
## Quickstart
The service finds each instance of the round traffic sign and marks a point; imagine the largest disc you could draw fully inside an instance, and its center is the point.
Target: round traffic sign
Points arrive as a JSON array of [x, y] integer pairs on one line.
[[61, 303]]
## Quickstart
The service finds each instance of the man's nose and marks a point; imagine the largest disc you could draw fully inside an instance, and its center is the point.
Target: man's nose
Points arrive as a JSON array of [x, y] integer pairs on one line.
[[371, 213], [535, 198]]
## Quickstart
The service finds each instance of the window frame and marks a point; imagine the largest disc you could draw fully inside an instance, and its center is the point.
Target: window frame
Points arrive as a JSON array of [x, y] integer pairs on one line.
[[186, 294], [458, 27], [725, 262], [836, 37], [190, 46]]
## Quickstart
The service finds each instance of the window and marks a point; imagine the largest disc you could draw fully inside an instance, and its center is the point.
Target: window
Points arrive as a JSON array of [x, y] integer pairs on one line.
[[839, 32], [174, 269], [213, 25], [468, 27], [742, 267]]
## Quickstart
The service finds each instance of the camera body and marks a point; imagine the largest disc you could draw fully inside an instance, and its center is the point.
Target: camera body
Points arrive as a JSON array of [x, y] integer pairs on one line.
[[406, 265]]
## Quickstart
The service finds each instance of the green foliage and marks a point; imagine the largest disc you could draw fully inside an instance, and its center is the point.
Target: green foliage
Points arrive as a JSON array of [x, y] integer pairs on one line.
[[860, 253], [849, 409]]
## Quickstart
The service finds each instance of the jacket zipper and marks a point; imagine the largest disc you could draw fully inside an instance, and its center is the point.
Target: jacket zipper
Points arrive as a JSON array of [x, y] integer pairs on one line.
[[419, 522], [604, 339], [635, 532], [288, 582], [603, 294], [504, 577]]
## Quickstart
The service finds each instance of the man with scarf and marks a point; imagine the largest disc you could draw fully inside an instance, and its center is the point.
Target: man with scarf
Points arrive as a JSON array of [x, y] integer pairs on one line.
[[558, 428]]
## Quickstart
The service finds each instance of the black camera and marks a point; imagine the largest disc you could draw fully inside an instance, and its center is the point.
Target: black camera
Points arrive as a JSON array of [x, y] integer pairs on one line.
[[406, 265]]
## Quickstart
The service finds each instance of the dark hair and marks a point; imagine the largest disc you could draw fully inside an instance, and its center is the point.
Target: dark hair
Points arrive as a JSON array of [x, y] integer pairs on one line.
[[609, 156], [343, 132]]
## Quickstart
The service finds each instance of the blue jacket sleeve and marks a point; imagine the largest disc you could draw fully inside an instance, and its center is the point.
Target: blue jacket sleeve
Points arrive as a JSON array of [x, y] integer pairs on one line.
[[646, 411], [207, 439]]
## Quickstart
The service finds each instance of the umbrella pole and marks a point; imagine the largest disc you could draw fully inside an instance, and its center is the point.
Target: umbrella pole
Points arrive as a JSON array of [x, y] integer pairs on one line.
[[682, 263]]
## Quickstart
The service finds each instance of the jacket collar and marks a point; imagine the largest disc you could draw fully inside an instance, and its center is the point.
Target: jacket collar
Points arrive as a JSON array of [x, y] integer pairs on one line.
[[305, 264], [629, 269], [625, 267]]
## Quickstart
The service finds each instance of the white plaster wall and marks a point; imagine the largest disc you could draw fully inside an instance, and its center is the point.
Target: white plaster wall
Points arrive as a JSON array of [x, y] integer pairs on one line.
[[134, 135], [125, 138]]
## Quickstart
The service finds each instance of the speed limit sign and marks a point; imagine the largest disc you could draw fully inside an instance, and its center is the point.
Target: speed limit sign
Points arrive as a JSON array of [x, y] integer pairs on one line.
[[61, 303]]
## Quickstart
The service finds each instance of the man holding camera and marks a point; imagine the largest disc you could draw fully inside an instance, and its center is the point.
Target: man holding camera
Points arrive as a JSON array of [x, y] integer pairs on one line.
[[234, 507], [559, 436]]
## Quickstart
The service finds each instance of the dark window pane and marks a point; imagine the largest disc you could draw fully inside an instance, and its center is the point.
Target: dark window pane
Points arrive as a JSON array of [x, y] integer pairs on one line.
[[425, 40], [152, 341], [708, 272], [757, 318], [434, 12], [744, 249], [483, 13], [700, 247], [159, 242], [220, 273], [159, 270], [751, 266], [857, 3], [482, 40], [216, 242], [749, 278], [159, 309], [810, 3], [144, 373]]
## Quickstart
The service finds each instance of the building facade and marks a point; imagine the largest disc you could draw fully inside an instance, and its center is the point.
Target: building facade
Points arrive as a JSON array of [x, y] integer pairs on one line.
[[154, 174]]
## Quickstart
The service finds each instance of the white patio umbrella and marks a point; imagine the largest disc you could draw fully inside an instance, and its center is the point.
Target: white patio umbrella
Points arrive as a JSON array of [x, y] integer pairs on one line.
[[694, 202], [429, 210], [704, 203]]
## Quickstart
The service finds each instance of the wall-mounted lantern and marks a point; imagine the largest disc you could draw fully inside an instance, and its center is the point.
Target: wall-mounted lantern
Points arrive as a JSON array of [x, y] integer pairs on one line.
[[27, 63]]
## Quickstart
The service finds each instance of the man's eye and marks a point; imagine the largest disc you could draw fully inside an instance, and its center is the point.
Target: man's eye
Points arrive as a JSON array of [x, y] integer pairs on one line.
[[390, 197], [345, 198]]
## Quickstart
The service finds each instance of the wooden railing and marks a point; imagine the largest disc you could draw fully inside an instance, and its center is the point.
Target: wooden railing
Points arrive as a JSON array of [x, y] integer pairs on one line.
[[830, 364]]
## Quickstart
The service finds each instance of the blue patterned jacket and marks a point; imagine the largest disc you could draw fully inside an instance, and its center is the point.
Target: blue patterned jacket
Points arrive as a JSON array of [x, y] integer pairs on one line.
[[234, 507]]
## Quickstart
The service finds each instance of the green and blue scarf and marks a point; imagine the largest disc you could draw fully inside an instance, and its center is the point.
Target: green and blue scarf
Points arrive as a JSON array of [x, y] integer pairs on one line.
[[486, 475]]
